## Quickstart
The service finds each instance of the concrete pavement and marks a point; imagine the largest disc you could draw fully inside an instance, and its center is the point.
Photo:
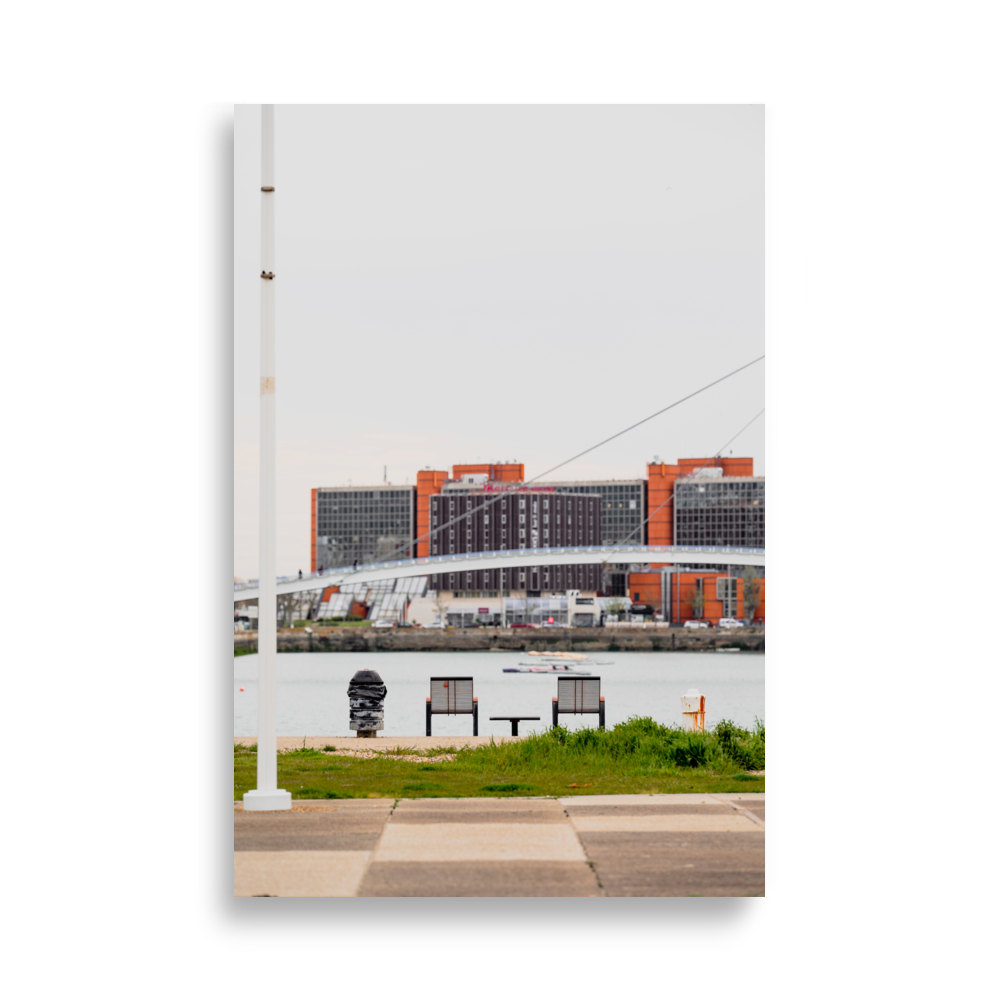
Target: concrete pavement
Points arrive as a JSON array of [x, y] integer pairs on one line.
[[587, 845], [376, 742]]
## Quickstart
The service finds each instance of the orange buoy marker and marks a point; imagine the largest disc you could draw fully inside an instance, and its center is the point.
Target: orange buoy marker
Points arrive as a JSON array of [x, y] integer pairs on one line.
[[241, 689]]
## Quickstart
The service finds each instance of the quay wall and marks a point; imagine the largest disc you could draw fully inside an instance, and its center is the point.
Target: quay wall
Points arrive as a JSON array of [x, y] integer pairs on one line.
[[579, 640]]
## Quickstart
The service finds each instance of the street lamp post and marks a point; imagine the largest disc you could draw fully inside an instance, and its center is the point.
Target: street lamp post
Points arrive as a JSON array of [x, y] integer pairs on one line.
[[267, 795]]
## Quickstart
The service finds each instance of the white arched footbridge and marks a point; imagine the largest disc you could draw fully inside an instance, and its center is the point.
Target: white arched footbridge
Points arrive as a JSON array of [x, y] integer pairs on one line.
[[508, 559]]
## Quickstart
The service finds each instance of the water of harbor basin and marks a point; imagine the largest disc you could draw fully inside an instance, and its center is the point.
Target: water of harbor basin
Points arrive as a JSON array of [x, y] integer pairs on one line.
[[312, 690]]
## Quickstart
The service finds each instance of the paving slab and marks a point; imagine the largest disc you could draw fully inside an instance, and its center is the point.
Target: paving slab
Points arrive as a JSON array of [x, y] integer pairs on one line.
[[656, 809], [689, 883], [728, 822], [757, 808], [636, 845], [480, 878], [312, 805], [480, 811], [479, 842], [298, 873], [681, 798], [317, 829], [631, 863], [740, 797]]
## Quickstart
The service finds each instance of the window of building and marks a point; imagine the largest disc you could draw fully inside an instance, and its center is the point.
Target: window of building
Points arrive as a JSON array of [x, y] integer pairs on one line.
[[725, 591]]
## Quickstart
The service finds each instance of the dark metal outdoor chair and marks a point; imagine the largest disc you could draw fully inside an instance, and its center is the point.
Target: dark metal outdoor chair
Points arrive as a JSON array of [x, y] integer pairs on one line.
[[452, 696], [578, 696]]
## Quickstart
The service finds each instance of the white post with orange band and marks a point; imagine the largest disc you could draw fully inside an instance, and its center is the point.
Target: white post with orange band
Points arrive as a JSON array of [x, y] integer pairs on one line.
[[693, 710]]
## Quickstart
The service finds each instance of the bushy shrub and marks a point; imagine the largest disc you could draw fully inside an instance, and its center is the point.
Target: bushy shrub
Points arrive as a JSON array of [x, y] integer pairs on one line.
[[742, 746], [638, 742]]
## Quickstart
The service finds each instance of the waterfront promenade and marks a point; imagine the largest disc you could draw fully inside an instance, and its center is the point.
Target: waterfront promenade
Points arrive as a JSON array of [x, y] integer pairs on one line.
[[586, 845]]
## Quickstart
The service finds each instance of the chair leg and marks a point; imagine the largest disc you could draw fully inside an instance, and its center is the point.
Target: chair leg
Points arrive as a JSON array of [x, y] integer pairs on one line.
[[428, 717], [475, 717], [601, 713], [555, 713]]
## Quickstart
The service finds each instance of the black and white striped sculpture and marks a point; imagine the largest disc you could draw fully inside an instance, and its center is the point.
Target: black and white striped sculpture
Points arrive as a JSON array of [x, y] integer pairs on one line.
[[366, 694]]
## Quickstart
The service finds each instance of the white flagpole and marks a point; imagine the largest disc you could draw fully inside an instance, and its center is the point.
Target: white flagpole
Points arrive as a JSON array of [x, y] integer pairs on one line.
[[267, 795]]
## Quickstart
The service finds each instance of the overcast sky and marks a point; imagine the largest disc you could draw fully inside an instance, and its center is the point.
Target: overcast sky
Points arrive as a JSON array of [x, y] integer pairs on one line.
[[461, 284]]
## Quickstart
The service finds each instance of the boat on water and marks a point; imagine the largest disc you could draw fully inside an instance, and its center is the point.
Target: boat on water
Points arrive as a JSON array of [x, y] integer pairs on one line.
[[728, 649], [558, 656], [562, 669]]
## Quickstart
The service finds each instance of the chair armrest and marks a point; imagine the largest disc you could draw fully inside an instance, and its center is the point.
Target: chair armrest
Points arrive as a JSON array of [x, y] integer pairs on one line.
[[602, 697], [475, 699], [428, 700]]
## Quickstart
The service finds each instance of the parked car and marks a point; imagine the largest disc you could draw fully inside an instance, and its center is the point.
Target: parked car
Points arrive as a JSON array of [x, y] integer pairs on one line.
[[730, 623], [382, 623], [406, 625], [694, 623], [522, 625], [435, 625]]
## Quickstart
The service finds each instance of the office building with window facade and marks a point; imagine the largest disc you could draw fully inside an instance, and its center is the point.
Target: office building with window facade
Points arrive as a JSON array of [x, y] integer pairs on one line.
[[697, 501], [363, 523], [701, 501], [719, 511], [623, 507], [623, 503], [466, 520]]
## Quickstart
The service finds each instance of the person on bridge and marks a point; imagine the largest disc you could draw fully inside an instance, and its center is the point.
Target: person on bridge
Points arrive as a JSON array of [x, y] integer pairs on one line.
[[355, 564], [321, 571], [300, 574]]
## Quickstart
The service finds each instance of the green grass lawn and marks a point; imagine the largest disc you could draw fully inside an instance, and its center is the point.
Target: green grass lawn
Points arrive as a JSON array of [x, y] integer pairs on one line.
[[635, 756]]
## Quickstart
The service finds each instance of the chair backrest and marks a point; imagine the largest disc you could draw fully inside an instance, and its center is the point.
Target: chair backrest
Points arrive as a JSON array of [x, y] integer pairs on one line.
[[579, 694], [451, 696]]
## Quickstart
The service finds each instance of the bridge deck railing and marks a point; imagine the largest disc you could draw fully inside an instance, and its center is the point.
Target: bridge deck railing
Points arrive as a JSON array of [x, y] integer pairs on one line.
[[673, 551]]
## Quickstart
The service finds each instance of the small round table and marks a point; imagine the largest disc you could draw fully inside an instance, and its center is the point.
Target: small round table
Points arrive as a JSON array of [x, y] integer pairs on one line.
[[514, 720]]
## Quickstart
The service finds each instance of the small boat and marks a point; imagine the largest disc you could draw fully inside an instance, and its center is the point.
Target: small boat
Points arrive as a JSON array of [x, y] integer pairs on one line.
[[728, 649], [558, 656], [563, 669]]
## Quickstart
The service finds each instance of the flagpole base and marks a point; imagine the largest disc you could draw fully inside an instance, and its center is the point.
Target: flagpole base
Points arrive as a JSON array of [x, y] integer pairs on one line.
[[256, 801]]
